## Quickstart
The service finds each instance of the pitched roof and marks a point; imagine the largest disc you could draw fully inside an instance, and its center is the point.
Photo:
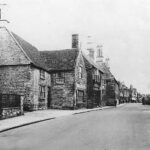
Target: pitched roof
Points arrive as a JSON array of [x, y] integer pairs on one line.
[[106, 70], [89, 63], [60, 59], [31, 51]]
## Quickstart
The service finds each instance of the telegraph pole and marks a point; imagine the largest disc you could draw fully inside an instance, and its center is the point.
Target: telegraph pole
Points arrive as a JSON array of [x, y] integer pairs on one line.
[[2, 20]]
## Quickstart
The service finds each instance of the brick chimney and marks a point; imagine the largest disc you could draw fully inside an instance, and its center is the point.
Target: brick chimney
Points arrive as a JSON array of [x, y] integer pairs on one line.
[[75, 41]]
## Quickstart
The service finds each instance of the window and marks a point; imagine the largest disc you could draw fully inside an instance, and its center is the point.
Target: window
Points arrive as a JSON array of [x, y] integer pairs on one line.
[[60, 75], [80, 72], [42, 74], [42, 92], [96, 76], [60, 78]]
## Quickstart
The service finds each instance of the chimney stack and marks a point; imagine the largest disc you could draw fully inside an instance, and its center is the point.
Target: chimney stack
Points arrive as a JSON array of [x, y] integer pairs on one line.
[[99, 55], [91, 53], [75, 41], [2, 21], [107, 63], [90, 48]]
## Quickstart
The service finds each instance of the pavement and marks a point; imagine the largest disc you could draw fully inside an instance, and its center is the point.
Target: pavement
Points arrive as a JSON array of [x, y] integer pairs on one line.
[[42, 115]]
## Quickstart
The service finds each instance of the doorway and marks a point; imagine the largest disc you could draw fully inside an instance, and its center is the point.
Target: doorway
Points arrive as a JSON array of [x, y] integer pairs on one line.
[[49, 98]]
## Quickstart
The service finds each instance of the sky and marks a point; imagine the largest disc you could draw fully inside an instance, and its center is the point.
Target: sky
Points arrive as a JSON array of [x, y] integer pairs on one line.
[[121, 26]]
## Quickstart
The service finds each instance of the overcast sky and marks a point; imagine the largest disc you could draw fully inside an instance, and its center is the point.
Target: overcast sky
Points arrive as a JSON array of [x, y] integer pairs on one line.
[[121, 26]]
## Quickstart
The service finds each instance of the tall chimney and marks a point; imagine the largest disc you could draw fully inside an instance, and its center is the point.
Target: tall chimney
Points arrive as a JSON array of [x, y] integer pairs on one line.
[[91, 53], [90, 48], [107, 63], [99, 55], [75, 41], [3, 22]]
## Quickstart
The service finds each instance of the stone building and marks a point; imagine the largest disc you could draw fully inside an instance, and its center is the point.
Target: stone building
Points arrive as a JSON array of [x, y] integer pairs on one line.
[[22, 71], [94, 81], [110, 86], [68, 76], [112, 92]]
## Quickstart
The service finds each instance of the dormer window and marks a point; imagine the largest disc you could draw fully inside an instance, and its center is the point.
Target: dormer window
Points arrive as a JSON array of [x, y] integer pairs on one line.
[[42, 74]]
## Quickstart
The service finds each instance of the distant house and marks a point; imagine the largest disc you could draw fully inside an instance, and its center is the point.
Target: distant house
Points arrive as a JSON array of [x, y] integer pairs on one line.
[[69, 77], [23, 72], [112, 92], [94, 81], [124, 93], [133, 94]]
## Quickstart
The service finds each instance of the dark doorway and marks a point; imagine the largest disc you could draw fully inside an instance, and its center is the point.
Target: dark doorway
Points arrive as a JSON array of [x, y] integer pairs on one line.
[[49, 98], [96, 98], [80, 98]]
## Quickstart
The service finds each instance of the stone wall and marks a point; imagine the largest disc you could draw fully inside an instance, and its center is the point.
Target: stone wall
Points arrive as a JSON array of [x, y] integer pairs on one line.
[[80, 83], [89, 89], [13, 79], [93, 88], [10, 112], [39, 103], [62, 90], [24, 80]]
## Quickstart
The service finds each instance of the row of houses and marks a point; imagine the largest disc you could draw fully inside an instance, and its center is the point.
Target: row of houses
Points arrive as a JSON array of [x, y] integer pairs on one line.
[[61, 79], [129, 94]]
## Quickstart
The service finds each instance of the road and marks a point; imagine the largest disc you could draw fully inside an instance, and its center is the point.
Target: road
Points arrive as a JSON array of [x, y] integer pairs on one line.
[[123, 128]]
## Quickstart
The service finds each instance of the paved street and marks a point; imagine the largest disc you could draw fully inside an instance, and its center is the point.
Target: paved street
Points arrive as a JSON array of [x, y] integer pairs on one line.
[[123, 128]]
